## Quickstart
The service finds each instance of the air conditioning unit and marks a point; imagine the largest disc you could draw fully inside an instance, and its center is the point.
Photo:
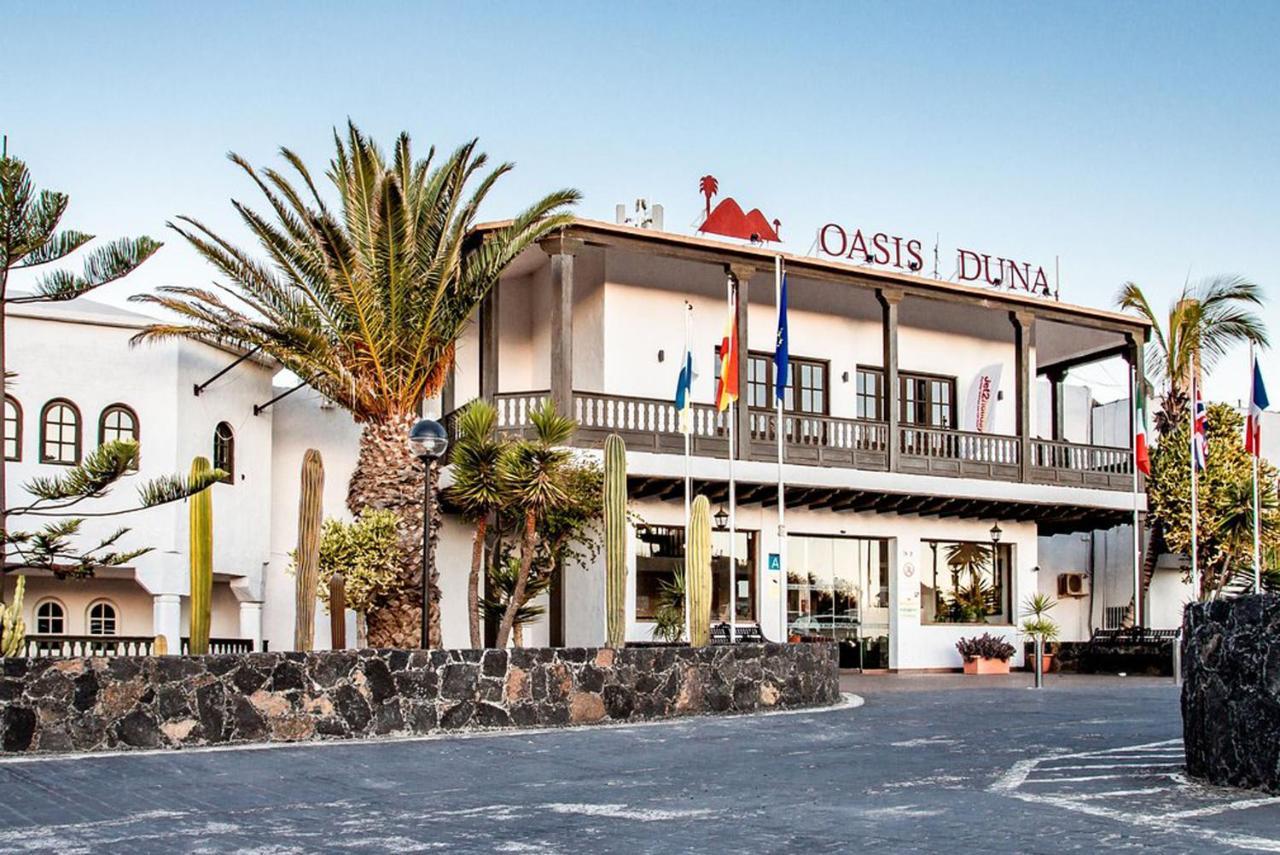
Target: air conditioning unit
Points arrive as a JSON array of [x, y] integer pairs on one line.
[[1073, 585]]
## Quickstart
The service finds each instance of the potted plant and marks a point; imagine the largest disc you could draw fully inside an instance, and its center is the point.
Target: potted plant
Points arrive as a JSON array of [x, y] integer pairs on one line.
[[1038, 626], [985, 654]]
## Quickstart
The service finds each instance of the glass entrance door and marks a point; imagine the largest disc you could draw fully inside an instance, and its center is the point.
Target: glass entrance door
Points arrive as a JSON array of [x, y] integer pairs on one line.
[[838, 589]]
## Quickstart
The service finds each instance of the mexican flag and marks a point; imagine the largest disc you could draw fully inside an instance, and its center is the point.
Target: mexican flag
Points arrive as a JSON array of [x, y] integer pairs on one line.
[[1141, 454]]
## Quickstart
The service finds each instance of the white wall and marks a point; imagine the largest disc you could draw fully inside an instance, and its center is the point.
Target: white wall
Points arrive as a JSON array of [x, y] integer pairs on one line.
[[81, 351], [913, 645]]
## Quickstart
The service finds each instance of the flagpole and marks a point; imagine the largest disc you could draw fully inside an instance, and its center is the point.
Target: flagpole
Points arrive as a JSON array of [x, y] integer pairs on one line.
[[1134, 392], [733, 493], [1256, 437], [780, 428], [688, 433], [1195, 511]]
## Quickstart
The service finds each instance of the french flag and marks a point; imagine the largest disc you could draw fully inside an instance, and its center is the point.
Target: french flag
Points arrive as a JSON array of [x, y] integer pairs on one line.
[[1257, 403], [1200, 430]]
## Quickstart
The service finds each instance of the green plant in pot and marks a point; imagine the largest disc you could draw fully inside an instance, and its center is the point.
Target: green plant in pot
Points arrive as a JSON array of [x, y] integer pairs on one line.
[[1038, 626], [985, 654]]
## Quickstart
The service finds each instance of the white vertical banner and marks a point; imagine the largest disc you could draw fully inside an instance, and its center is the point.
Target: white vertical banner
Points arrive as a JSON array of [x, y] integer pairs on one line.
[[980, 404]]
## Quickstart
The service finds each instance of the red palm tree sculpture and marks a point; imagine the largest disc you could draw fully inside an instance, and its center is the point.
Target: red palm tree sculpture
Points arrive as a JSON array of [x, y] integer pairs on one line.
[[709, 187]]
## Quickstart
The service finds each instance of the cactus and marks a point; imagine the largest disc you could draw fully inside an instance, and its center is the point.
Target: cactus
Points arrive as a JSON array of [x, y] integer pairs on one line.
[[13, 629], [697, 572], [307, 557], [200, 556], [337, 611], [615, 539]]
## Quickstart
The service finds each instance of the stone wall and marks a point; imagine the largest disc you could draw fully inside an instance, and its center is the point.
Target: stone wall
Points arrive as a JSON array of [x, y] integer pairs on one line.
[[1231, 691], [177, 701]]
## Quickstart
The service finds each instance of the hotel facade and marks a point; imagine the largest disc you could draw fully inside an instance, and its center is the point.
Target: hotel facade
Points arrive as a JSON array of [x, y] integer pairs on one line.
[[926, 422]]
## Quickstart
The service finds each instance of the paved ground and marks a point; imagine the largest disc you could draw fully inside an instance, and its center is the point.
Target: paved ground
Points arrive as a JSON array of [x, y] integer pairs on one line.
[[934, 764]]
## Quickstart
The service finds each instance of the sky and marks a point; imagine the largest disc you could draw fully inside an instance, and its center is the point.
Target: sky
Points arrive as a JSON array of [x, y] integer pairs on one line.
[[1131, 141]]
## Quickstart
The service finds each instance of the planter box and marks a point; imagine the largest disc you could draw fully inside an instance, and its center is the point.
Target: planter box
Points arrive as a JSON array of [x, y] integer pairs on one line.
[[986, 666]]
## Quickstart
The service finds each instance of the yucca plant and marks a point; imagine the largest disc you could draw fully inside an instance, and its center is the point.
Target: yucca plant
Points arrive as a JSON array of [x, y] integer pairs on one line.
[[534, 470], [29, 239], [363, 299], [503, 577], [478, 490]]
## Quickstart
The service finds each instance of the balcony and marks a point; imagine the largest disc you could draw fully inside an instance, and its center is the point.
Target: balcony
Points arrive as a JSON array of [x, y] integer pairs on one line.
[[827, 442]]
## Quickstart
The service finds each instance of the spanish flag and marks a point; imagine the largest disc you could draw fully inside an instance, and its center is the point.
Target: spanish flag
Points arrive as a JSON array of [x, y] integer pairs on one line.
[[727, 385]]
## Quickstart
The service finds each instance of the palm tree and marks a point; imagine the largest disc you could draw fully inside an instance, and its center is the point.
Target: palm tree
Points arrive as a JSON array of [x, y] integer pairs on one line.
[[534, 470], [708, 186], [363, 302], [29, 238], [478, 490], [1203, 324]]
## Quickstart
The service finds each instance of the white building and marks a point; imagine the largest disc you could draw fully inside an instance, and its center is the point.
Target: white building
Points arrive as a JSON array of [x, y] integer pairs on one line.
[[79, 382], [882, 482]]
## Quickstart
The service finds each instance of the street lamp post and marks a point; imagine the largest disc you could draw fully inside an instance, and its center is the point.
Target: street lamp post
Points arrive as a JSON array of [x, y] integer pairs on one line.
[[430, 441]]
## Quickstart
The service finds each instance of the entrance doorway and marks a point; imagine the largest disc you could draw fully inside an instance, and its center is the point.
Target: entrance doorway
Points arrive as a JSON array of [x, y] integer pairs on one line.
[[838, 589]]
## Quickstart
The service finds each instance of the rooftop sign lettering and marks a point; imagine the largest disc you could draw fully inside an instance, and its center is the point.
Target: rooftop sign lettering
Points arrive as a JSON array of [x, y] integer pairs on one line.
[[903, 253]]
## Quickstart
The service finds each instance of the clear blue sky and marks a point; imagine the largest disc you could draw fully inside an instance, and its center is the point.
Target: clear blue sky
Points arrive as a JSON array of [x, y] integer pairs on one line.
[[1134, 140]]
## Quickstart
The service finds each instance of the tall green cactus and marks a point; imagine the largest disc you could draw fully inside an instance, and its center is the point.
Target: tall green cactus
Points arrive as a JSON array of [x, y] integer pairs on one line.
[[200, 556], [337, 611], [307, 558], [13, 629], [697, 572], [615, 539]]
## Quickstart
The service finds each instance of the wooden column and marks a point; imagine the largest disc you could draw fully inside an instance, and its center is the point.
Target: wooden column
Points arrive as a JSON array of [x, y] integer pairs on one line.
[[741, 274], [562, 250], [1024, 331], [1058, 414], [889, 299], [489, 344]]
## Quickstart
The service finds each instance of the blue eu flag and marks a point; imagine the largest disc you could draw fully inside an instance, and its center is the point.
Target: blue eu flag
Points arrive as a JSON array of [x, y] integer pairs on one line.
[[781, 353]]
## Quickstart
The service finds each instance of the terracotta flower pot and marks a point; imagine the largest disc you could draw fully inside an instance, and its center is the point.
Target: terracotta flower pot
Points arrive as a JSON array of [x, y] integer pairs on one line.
[[986, 666]]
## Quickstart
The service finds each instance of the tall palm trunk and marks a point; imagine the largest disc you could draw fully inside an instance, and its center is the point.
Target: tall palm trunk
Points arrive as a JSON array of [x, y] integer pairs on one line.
[[473, 582], [522, 579], [388, 476]]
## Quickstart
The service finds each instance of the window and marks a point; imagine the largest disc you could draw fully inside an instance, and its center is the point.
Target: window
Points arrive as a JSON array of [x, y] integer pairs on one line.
[[12, 429], [60, 433], [812, 375], [50, 618], [838, 589], [660, 556], [927, 400], [968, 582], [224, 451], [118, 423], [102, 619]]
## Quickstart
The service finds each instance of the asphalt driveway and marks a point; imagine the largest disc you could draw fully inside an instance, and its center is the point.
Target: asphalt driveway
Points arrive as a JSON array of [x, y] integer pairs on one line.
[[935, 764]]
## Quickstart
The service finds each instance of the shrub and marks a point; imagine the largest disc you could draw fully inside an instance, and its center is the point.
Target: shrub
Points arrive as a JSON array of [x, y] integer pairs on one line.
[[985, 646]]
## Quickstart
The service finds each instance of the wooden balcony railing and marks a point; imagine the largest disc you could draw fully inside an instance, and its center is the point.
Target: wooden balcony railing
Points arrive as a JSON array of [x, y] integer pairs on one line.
[[648, 424], [1069, 463]]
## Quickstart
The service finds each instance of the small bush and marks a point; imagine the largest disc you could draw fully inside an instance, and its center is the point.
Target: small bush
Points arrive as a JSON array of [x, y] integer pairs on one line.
[[985, 646]]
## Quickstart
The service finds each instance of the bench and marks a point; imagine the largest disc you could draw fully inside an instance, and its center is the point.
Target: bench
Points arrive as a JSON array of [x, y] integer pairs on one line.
[[743, 634], [1139, 635]]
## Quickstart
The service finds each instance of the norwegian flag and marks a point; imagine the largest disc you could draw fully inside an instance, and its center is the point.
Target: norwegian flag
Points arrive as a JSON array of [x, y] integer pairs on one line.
[[1258, 402], [1199, 433]]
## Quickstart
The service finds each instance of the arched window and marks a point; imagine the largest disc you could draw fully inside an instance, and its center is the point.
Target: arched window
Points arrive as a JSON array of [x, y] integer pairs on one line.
[[118, 422], [51, 618], [102, 618], [12, 429], [60, 433], [224, 451]]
